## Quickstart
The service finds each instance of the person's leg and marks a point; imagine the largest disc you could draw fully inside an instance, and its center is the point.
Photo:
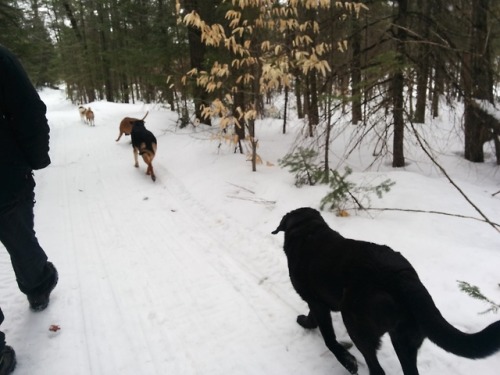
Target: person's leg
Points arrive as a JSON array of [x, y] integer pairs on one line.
[[7, 354], [18, 236], [2, 335], [35, 276]]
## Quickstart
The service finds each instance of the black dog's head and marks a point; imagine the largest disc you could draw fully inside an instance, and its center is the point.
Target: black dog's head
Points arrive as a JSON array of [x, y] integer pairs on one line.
[[298, 217], [138, 123]]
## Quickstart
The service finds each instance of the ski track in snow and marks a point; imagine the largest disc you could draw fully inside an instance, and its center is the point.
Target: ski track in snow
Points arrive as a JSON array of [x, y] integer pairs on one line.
[[143, 248]]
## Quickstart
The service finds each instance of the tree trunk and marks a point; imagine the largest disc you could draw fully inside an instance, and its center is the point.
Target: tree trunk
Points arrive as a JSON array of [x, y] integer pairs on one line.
[[285, 109], [197, 50], [89, 87], [239, 102], [312, 109], [298, 96], [104, 52], [478, 79], [422, 61], [398, 86], [357, 113], [437, 89]]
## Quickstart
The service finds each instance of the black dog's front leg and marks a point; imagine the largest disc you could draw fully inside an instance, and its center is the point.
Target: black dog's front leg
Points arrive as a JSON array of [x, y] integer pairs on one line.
[[320, 314], [308, 322]]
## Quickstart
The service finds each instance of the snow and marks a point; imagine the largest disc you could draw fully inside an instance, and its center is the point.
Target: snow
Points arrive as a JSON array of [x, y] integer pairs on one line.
[[489, 108], [183, 276]]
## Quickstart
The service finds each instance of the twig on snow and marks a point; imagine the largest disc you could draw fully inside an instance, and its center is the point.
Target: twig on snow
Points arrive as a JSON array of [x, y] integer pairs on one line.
[[241, 187], [434, 161], [256, 200], [429, 212]]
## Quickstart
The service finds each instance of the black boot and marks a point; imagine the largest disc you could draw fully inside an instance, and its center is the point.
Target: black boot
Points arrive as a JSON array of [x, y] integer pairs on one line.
[[7, 360], [39, 300]]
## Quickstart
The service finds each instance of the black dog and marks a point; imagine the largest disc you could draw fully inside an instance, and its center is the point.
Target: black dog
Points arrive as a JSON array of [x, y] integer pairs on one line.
[[376, 290], [144, 143]]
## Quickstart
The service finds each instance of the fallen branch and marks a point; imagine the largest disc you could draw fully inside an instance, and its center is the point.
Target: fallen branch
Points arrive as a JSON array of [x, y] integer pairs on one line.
[[241, 187], [256, 200], [450, 180], [428, 212], [498, 192]]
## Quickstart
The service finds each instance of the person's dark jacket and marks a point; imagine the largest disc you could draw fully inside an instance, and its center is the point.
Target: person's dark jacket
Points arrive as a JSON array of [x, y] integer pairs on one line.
[[24, 131]]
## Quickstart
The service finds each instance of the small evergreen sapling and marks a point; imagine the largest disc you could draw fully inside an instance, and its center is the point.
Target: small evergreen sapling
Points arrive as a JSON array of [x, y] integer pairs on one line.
[[474, 292], [343, 192], [302, 165]]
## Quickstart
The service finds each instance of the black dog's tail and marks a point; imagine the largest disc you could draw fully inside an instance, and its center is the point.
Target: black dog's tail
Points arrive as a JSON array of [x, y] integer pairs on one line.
[[469, 345]]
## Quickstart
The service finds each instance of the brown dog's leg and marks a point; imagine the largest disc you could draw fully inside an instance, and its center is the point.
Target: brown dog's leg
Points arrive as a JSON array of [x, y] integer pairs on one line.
[[149, 161], [135, 158], [152, 172], [153, 177], [119, 136]]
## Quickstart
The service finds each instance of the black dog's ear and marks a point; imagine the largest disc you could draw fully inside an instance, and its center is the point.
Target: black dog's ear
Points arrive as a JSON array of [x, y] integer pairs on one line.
[[281, 227]]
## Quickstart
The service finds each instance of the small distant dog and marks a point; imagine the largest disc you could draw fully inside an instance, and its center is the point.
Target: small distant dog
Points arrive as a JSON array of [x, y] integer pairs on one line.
[[144, 144], [82, 110], [376, 290], [126, 125], [89, 116]]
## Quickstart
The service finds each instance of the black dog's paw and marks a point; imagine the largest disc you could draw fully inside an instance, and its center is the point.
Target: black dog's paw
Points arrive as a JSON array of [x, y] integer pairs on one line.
[[350, 363], [306, 322], [346, 344]]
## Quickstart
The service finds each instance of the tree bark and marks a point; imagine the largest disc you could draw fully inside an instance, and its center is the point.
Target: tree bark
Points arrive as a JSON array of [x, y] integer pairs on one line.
[[422, 62], [398, 86], [197, 50], [357, 113], [478, 82]]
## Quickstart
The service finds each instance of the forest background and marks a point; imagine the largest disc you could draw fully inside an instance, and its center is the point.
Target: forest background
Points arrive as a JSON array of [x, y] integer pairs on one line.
[[222, 62]]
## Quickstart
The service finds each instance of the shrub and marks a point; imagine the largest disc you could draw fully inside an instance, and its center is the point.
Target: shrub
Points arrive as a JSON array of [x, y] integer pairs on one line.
[[344, 193], [474, 292], [303, 164]]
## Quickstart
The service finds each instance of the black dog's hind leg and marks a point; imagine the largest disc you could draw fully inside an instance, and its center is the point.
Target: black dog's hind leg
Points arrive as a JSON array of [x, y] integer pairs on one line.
[[322, 315], [366, 343], [307, 322], [407, 339], [363, 312]]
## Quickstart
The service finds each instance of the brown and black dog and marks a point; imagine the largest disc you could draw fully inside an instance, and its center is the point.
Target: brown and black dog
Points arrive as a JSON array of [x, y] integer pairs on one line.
[[144, 144], [376, 290], [126, 125]]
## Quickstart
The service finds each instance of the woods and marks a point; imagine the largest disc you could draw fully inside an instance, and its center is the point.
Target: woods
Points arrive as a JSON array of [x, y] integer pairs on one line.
[[222, 62]]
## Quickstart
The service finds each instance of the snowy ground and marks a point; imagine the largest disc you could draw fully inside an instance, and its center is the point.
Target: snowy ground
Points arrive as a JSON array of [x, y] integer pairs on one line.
[[182, 276]]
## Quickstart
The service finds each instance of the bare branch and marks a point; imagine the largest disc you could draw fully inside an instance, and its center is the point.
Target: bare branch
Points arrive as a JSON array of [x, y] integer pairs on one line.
[[434, 161], [495, 225]]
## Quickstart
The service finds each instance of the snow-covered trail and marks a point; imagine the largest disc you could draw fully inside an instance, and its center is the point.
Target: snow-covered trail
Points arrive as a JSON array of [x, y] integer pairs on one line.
[[182, 277], [148, 284]]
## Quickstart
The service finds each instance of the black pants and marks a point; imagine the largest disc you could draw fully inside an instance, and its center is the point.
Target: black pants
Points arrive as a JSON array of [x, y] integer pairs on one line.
[[2, 335], [18, 236]]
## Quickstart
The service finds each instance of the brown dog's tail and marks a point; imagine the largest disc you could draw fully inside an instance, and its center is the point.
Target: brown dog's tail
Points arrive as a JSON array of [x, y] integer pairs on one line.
[[146, 115], [469, 345]]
